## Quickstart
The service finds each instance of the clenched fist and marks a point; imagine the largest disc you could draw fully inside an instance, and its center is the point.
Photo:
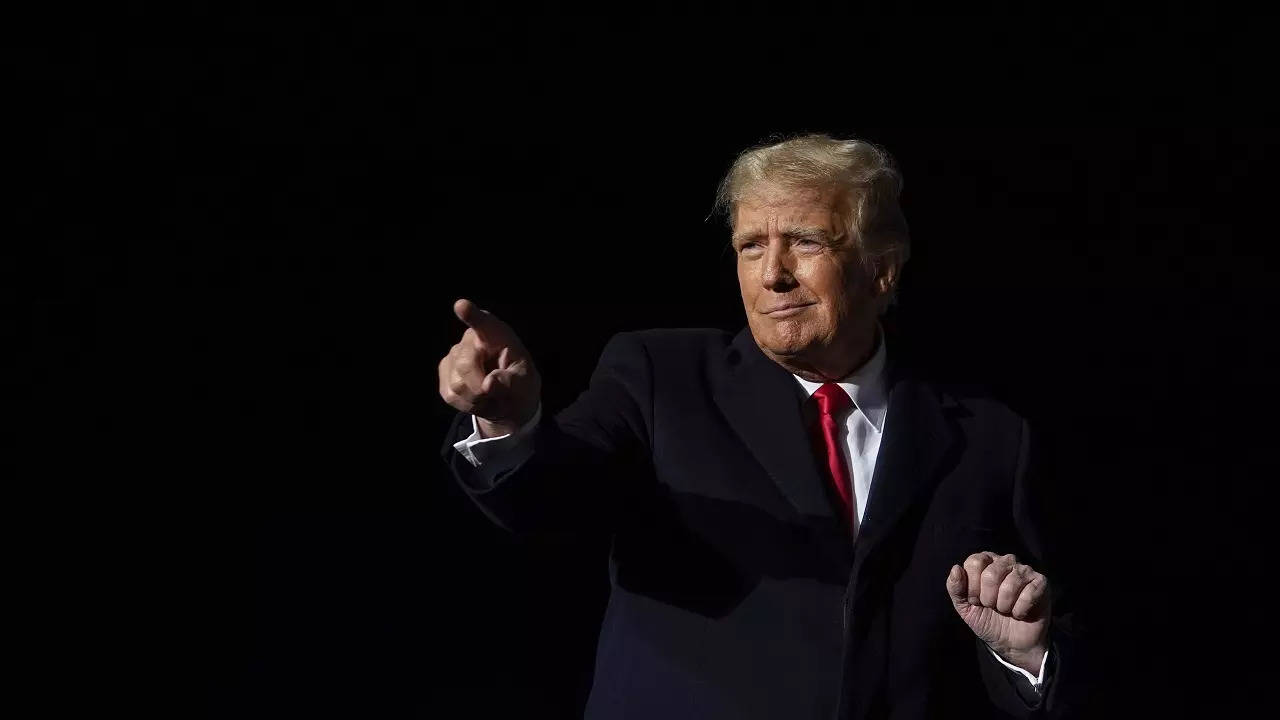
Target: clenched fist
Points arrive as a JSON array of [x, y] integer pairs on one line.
[[1006, 604], [489, 373]]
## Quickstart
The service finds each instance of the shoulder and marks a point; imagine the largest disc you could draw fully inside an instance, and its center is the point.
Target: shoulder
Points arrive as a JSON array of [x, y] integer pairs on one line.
[[664, 346], [978, 406], [981, 401], [958, 392], [682, 357], [674, 343]]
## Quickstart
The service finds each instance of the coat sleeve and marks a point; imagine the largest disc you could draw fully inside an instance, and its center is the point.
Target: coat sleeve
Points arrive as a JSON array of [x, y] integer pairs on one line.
[[585, 463], [1037, 519]]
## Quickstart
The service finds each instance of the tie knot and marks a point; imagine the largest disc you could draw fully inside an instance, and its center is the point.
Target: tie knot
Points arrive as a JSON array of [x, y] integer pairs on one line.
[[832, 399]]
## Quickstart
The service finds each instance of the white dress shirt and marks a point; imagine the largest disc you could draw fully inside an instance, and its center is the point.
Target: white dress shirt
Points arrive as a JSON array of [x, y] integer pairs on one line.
[[862, 429]]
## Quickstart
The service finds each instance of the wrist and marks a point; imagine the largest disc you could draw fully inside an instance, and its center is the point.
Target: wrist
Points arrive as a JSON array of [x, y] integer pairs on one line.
[[1030, 660], [491, 429], [494, 428]]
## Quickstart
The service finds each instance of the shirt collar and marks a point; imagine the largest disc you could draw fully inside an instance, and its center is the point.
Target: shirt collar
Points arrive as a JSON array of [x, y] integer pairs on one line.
[[866, 385]]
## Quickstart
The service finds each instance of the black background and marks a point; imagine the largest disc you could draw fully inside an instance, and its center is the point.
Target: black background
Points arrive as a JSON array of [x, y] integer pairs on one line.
[[259, 221]]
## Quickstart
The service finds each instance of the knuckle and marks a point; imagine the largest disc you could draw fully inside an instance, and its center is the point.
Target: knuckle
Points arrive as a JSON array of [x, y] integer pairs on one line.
[[456, 402]]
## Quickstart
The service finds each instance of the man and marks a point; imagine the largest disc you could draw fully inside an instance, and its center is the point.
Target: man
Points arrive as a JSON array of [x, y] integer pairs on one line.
[[802, 526]]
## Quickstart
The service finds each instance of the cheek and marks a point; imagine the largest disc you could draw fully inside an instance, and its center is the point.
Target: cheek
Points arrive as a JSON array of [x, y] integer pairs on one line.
[[833, 296], [748, 281], [824, 280]]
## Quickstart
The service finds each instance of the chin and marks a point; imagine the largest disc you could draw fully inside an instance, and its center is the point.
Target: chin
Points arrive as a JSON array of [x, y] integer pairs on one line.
[[785, 346]]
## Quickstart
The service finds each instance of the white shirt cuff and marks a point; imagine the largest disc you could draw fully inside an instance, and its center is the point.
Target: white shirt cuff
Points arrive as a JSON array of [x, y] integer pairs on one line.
[[479, 450], [1035, 680]]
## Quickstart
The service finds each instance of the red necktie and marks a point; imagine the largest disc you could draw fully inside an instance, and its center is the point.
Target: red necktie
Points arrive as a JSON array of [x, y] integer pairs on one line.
[[833, 400]]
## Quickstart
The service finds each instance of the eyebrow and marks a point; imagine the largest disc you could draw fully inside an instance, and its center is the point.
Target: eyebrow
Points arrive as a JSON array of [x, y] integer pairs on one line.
[[795, 233], [805, 233]]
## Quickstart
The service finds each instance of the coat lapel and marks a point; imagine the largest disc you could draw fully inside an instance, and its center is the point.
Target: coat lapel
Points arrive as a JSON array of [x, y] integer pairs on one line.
[[763, 404], [920, 442]]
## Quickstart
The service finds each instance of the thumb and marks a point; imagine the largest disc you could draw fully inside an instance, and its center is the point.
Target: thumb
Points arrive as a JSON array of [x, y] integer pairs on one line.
[[958, 585], [514, 359], [497, 382]]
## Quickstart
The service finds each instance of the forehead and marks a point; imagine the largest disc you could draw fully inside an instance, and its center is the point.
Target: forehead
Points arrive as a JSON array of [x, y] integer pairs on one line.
[[767, 202]]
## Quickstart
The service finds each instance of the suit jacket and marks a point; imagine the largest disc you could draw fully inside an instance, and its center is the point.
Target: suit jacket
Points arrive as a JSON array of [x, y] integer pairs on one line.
[[737, 591]]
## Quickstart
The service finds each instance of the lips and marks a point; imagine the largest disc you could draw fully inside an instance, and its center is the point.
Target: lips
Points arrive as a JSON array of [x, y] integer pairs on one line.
[[787, 306]]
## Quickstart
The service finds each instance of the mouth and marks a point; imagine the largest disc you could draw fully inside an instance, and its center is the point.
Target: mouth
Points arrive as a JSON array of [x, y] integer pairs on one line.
[[785, 311]]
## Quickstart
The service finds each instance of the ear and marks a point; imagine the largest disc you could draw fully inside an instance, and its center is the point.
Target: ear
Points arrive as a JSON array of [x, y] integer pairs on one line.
[[886, 278], [885, 282]]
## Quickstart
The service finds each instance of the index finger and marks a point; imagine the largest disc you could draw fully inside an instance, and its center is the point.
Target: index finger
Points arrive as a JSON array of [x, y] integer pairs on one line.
[[485, 323], [973, 567]]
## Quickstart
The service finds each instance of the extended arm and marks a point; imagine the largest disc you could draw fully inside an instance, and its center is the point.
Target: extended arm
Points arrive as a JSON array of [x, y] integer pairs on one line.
[[573, 471]]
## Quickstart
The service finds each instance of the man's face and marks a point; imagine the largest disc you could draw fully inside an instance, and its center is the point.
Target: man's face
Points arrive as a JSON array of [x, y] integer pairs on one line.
[[803, 287]]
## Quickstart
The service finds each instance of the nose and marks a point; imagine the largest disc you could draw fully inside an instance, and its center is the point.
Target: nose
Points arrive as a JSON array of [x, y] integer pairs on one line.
[[775, 272]]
